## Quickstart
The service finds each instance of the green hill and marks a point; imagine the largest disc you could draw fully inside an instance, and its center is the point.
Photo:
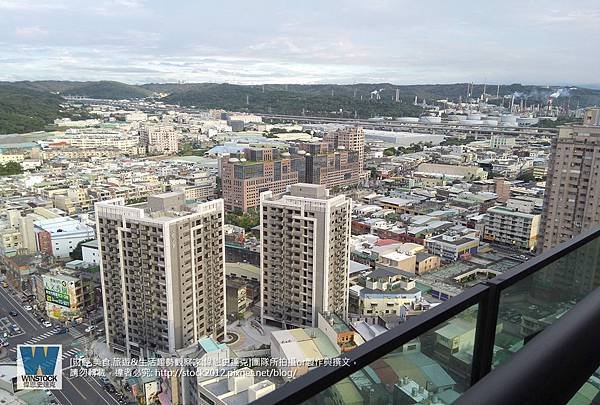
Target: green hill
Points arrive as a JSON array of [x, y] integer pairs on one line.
[[296, 101], [108, 90], [29, 105], [26, 110], [101, 90]]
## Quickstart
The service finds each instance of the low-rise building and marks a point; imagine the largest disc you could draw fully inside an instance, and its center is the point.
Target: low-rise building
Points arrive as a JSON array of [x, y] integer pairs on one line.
[[426, 262], [89, 252], [511, 227], [60, 236], [451, 247], [385, 292], [67, 294]]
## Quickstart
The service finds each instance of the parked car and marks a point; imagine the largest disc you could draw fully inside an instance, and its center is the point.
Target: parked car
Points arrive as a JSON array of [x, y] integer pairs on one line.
[[13, 313], [104, 381], [41, 319], [90, 328], [3, 342], [28, 307], [47, 324], [110, 388], [16, 328], [61, 330]]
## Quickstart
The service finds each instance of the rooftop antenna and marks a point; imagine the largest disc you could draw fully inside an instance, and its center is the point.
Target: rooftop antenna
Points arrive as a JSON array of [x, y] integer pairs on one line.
[[331, 92], [247, 100], [263, 88]]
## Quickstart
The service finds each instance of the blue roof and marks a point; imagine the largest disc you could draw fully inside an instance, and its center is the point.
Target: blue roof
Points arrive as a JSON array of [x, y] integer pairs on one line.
[[227, 149]]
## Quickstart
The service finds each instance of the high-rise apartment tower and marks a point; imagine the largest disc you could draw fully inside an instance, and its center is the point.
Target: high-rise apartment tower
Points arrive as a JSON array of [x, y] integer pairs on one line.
[[162, 273], [572, 199], [305, 255]]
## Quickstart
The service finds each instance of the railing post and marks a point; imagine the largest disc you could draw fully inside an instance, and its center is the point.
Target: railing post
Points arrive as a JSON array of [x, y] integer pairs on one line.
[[485, 333]]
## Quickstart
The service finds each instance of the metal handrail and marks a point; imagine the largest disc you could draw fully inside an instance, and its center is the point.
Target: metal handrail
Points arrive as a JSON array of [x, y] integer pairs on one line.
[[321, 378], [552, 367], [486, 295]]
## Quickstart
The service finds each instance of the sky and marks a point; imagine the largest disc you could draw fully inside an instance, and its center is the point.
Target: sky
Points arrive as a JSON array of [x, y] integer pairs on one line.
[[310, 41]]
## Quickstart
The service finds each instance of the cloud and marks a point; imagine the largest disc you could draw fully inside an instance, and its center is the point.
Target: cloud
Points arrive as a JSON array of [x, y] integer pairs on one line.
[[588, 16], [31, 32], [300, 42], [32, 5]]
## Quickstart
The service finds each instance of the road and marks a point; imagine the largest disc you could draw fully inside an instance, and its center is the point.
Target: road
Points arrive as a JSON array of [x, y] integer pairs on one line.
[[75, 391]]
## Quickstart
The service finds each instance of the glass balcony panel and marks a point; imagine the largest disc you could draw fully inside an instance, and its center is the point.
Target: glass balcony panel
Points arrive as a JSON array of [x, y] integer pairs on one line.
[[539, 300], [434, 368], [589, 393]]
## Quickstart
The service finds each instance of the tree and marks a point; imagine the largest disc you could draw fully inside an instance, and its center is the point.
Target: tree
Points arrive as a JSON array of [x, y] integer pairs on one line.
[[392, 217], [389, 152], [457, 141], [10, 168], [247, 221], [374, 173], [76, 254], [526, 176]]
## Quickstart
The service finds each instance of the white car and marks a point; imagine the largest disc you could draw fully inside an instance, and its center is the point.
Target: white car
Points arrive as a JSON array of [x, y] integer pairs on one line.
[[28, 307], [89, 329], [47, 324]]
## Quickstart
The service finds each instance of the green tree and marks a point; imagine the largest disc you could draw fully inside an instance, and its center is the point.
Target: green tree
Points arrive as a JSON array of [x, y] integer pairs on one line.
[[76, 254], [526, 176], [374, 173], [389, 152], [10, 168], [247, 221]]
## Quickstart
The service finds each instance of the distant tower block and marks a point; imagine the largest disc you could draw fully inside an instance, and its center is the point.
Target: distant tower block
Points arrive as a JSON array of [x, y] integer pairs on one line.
[[397, 95]]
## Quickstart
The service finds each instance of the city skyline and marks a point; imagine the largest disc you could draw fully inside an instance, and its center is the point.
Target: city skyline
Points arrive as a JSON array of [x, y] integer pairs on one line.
[[380, 41], [327, 203]]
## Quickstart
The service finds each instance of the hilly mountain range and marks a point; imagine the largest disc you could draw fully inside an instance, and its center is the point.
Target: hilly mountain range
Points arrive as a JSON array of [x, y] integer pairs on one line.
[[30, 105]]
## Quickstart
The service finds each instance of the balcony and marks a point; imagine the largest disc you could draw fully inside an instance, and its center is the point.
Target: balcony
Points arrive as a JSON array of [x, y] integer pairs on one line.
[[530, 335]]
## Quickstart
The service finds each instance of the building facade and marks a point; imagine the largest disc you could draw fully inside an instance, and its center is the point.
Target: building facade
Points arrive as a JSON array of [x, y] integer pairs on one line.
[[162, 273], [451, 247], [571, 201], [60, 236], [243, 178], [511, 227], [349, 138], [160, 139], [305, 255]]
